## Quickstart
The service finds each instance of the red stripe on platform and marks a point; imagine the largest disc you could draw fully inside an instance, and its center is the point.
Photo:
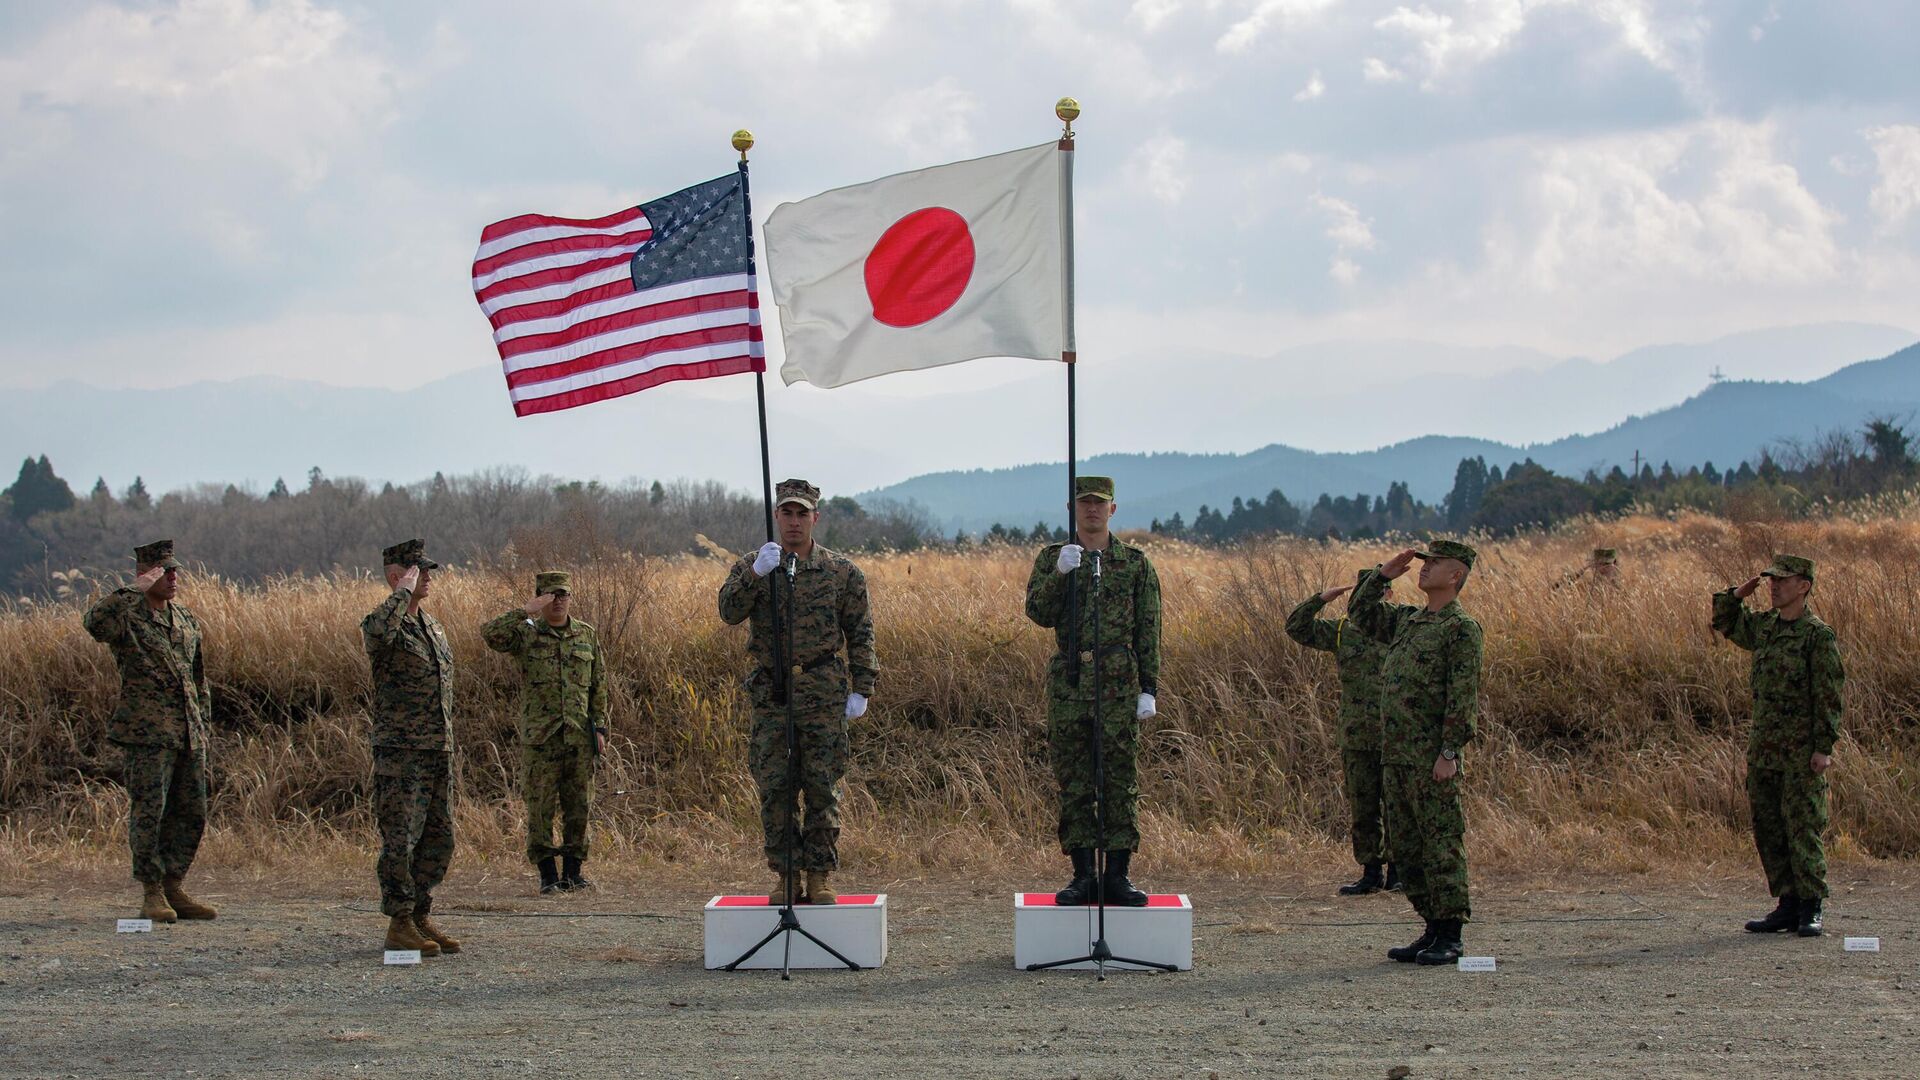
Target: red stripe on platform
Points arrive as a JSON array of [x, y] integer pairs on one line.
[[1045, 899], [854, 900]]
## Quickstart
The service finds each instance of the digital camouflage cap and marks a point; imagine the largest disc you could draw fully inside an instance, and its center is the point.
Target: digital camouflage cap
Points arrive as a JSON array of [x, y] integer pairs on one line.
[[159, 553], [408, 553], [1448, 549], [1090, 487], [1606, 555], [792, 490], [1789, 566], [549, 581]]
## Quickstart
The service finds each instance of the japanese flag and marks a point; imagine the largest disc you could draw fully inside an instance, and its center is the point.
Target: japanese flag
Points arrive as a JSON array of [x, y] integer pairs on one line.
[[923, 269]]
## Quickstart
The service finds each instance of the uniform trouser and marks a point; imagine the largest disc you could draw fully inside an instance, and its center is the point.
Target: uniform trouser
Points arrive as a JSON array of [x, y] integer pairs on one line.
[[167, 808], [411, 789], [820, 735], [1789, 814], [1361, 769], [1070, 748], [557, 776], [1428, 835]]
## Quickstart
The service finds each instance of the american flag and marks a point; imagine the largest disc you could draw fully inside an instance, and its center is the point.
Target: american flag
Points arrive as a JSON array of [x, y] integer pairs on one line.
[[589, 309]]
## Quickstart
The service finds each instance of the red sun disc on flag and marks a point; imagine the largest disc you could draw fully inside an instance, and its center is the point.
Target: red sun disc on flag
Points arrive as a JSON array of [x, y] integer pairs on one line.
[[919, 267]]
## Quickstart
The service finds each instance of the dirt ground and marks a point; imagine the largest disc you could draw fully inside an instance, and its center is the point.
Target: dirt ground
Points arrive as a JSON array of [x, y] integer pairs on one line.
[[1645, 976]]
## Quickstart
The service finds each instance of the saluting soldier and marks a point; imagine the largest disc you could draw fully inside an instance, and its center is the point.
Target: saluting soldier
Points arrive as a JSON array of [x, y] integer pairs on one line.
[[563, 722], [805, 604], [1357, 655], [1796, 678], [161, 726], [1126, 641], [1429, 707], [412, 749]]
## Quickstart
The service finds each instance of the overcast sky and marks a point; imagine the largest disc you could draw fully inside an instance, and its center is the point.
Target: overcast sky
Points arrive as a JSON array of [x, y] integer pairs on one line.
[[220, 188]]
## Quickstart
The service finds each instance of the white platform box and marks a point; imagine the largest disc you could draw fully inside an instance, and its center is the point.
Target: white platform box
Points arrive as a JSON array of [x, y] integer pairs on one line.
[[1161, 932], [856, 927]]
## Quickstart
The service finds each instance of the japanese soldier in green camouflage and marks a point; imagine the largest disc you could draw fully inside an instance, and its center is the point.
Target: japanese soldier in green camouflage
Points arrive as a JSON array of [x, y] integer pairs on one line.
[[1358, 658], [161, 726], [1797, 678], [1120, 631], [1429, 707], [827, 597], [412, 749], [563, 722]]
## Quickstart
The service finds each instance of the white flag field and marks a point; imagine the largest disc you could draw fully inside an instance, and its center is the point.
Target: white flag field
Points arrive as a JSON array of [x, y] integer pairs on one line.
[[924, 269]]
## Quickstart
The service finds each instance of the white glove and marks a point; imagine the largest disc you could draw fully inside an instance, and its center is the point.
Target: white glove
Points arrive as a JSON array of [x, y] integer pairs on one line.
[[856, 706], [768, 558], [1145, 708], [1069, 559]]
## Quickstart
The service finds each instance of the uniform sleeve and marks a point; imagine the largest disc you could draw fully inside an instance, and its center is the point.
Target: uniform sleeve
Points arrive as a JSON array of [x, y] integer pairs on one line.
[[202, 686], [383, 626], [1047, 589], [1146, 627], [1458, 727], [508, 633], [856, 624], [739, 593], [107, 620], [597, 689], [1734, 622], [1829, 676], [1314, 633], [1368, 610]]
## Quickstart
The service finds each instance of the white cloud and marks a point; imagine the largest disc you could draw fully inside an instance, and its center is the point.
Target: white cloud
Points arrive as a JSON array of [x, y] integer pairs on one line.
[[1349, 232], [1159, 167], [1265, 15], [1315, 87], [1450, 38], [933, 123], [1148, 15], [1896, 194], [1378, 70]]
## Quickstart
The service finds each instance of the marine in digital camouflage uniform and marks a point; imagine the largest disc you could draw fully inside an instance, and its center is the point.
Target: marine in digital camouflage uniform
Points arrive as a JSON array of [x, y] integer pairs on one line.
[[1797, 678], [829, 614], [412, 665], [1429, 707], [1357, 656], [1602, 569], [1126, 641], [161, 725], [563, 722]]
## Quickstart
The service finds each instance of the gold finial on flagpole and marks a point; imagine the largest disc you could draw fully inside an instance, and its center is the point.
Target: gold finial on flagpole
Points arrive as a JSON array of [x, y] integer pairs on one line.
[[743, 142], [1067, 109]]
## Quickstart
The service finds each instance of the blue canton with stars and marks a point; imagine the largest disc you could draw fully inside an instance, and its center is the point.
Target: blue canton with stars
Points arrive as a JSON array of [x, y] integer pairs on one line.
[[697, 233]]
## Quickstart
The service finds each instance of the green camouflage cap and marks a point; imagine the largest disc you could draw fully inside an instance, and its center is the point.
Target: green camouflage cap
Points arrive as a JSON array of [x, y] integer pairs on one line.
[[408, 553], [547, 581], [1606, 555], [1448, 549], [1093, 486], [158, 553], [796, 491], [1789, 566]]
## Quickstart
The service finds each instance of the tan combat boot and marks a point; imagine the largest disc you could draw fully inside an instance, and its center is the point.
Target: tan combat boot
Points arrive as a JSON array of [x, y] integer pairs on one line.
[[818, 891], [424, 925], [183, 905], [154, 904], [779, 894], [401, 935]]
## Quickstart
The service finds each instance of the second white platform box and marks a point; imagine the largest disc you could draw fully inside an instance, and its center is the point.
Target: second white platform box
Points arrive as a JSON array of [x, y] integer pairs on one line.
[[1161, 932], [856, 928]]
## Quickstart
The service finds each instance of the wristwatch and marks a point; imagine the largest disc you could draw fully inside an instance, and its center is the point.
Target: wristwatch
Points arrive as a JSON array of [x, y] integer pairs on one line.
[[1449, 753]]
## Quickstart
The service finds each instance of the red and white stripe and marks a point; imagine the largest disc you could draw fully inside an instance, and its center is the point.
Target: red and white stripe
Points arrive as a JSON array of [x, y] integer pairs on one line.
[[572, 330]]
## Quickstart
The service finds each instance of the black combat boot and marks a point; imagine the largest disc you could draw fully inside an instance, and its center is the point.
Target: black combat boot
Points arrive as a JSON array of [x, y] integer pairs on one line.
[[571, 878], [1446, 945], [1370, 881], [1118, 889], [1785, 916], [1079, 891], [1809, 918], [1393, 879], [1405, 954], [549, 875]]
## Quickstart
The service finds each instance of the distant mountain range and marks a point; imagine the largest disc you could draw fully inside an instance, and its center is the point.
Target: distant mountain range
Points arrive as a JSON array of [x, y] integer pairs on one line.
[[1730, 422]]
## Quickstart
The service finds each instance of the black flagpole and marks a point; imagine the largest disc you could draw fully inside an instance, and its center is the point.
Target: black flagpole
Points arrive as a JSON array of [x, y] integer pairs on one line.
[[743, 141], [1066, 109]]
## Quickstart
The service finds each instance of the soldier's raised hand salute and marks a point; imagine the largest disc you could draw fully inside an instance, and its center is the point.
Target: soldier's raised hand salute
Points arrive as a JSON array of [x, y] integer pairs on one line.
[[410, 580], [1746, 590], [1330, 595], [149, 578], [538, 608], [1397, 565]]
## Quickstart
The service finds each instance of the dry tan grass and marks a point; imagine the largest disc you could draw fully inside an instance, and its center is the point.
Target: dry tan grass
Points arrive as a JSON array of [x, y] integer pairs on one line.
[[1612, 733]]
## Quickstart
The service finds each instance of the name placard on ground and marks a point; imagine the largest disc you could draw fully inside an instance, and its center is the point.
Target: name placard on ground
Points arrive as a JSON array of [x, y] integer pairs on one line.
[[1476, 963], [133, 926], [1862, 944], [855, 926], [401, 956], [1161, 932]]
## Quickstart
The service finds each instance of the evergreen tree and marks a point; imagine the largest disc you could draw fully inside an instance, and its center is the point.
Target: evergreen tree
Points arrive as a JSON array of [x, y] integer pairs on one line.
[[136, 497], [279, 490], [38, 491]]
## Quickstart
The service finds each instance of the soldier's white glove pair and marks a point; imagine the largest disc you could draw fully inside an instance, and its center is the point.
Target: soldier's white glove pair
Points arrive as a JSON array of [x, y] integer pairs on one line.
[[1145, 708], [768, 558], [1069, 559], [856, 706]]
